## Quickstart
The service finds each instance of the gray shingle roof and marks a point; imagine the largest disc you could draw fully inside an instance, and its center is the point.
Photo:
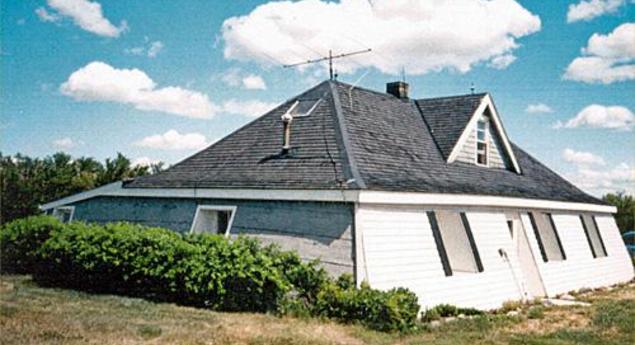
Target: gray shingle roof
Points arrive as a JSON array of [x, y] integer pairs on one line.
[[372, 140], [447, 117]]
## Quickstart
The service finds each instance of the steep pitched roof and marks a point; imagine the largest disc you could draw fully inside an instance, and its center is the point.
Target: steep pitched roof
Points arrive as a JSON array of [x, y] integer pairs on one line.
[[447, 118], [251, 156], [362, 139]]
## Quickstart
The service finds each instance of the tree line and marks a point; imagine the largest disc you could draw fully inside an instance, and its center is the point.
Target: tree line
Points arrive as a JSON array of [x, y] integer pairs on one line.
[[26, 183], [29, 182]]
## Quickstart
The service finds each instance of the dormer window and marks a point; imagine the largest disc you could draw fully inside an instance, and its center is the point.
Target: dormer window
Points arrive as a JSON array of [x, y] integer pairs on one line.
[[482, 142]]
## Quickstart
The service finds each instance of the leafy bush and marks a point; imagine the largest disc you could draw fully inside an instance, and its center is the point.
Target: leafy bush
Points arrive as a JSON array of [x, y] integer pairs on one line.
[[199, 270], [20, 240], [206, 271], [448, 310], [393, 310]]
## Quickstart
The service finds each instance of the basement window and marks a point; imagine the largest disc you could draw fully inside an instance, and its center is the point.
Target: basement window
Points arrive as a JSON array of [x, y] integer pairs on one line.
[[481, 142], [455, 242], [547, 237], [212, 219], [64, 213], [593, 236], [303, 107]]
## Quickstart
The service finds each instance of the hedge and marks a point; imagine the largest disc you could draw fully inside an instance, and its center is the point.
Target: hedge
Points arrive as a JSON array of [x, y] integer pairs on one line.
[[20, 239], [207, 271]]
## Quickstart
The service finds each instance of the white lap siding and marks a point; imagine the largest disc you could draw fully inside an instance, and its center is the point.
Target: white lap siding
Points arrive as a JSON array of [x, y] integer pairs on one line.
[[580, 269], [400, 251]]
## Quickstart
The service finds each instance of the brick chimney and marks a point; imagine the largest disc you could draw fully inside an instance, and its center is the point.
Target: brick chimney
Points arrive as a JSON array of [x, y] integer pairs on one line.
[[398, 89]]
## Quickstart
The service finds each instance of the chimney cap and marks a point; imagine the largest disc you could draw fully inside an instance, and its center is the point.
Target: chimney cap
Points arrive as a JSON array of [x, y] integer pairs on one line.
[[398, 89]]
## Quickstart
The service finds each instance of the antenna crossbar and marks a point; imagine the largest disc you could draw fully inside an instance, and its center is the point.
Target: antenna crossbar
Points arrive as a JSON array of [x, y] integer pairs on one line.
[[329, 58]]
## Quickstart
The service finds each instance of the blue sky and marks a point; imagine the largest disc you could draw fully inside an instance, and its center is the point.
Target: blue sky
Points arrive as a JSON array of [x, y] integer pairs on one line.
[[204, 69]]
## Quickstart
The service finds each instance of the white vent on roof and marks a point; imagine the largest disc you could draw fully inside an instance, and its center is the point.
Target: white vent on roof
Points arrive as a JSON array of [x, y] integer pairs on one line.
[[303, 107]]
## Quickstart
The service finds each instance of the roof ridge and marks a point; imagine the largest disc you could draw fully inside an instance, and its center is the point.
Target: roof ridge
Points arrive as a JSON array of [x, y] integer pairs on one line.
[[349, 159], [480, 94]]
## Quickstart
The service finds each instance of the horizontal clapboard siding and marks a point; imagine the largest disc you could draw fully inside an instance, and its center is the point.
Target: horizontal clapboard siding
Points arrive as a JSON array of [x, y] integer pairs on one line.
[[580, 269], [400, 251], [317, 230]]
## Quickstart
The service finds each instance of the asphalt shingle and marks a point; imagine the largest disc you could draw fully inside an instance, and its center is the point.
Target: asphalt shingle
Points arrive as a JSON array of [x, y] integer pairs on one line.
[[372, 140]]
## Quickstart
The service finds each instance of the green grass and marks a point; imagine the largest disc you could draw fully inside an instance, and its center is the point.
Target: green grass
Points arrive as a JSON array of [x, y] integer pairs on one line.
[[30, 314]]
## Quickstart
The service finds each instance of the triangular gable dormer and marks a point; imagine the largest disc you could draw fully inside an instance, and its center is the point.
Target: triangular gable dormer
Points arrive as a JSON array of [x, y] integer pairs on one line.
[[484, 142]]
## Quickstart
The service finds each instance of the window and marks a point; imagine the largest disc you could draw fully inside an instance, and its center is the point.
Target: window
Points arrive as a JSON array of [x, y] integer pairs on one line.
[[303, 107], [213, 219], [64, 213], [547, 237], [482, 142], [455, 242], [593, 235]]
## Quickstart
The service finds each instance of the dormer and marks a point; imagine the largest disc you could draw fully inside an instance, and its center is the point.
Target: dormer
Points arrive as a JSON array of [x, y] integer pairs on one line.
[[468, 129]]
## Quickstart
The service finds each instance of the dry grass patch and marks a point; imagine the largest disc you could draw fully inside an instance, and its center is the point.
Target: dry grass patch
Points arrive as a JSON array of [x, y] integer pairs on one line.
[[33, 315]]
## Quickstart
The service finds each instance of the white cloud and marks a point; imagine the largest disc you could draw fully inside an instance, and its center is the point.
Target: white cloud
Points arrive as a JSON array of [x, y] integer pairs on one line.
[[502, 61], [45, 16], [85, 14], [99, 81], [589, 9], [155, 48], [173, 140], [600, 116], [254, 82], [144, 161], [538, 108], [236, 78], [65, 143], [151, 51], [581, 158], [251, 108], [607, 58], [602, 181], [420, 36]]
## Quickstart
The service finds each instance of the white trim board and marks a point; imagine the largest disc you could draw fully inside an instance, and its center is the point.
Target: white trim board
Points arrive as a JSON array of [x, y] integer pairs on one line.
[[370, 197], [405, 198], [116, 189], [200, 208], [486, 102]]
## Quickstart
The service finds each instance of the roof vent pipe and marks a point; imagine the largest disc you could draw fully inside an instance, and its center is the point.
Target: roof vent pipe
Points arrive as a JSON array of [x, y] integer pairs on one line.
[[286, 135], [398, 89]]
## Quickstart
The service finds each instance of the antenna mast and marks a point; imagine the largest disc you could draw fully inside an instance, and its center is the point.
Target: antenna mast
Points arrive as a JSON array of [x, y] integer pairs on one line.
[[330, 59]]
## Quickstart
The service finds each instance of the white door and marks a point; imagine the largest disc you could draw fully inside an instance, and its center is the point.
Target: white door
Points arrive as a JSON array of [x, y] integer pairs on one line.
[[529, 279]]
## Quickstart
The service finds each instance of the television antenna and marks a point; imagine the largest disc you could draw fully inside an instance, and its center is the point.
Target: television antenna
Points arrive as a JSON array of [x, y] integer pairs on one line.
[[330, 59]]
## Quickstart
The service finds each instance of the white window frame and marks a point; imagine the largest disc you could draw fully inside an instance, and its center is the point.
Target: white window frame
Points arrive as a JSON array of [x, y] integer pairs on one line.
[[65, 208], [484, 141], [226, 208], [297, 102]]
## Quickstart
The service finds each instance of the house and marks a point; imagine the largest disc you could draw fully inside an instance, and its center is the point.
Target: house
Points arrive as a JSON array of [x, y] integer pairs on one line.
[[427, 194]]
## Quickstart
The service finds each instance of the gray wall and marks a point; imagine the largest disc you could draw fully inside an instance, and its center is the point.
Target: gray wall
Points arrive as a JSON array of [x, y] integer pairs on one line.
[[315, 229]]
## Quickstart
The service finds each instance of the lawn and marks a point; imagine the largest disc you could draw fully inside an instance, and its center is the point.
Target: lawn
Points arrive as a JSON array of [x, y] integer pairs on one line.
[[33, 315]]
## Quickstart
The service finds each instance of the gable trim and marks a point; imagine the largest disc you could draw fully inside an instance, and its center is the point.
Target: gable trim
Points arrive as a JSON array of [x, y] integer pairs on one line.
[[486, 102]]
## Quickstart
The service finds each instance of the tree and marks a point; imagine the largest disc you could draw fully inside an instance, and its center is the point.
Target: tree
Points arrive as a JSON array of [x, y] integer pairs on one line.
[[625, 204], [26, 183]]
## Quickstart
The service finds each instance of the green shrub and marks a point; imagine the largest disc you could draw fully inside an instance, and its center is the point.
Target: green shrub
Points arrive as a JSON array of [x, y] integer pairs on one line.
[[20, 240], [393, 310], [202, 270], [448, 310]]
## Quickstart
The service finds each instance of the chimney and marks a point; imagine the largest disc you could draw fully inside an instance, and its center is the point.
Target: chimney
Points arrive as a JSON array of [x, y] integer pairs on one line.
[[398, 89]]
